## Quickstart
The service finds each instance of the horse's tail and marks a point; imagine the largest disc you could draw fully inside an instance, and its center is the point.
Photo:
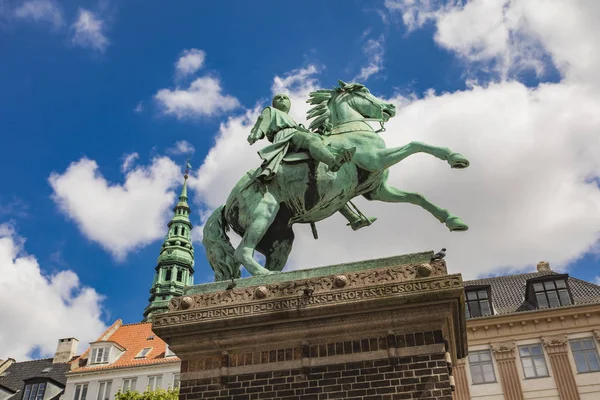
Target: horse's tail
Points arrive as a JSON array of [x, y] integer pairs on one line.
[[219, 251]]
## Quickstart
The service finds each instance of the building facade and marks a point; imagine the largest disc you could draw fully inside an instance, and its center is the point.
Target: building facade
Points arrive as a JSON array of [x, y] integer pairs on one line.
[[531, 336], [43, 379], [125, 357]]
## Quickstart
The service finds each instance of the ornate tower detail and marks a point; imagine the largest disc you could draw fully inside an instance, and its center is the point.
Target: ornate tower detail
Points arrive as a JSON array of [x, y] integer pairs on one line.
[[175, 265]]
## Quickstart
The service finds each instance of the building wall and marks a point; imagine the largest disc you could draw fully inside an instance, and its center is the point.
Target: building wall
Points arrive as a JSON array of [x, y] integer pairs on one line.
[[116, 376], [539, 327]]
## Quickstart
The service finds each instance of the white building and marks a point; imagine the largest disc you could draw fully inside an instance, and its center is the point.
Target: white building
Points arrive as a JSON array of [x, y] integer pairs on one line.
[[125, 357]]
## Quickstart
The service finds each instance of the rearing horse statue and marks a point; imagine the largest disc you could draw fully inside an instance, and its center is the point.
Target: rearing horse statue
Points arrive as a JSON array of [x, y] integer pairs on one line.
[[304, 192]]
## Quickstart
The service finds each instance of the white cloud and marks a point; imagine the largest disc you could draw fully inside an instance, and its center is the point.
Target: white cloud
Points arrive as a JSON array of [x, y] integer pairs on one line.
[[181, 147], [203, 97], [53, 301], [374, 51], [514, 35], [597, 280], [119, 217], [531, 191], [139, 107], [88, 31], [190, 61], [41, 11], [128, 161]]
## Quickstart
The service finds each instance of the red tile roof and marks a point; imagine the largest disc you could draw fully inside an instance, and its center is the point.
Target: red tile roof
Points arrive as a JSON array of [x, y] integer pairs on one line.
[[134, 338]]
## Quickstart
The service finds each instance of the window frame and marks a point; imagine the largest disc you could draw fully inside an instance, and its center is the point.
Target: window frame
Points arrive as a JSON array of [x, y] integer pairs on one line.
[[479, 363], [80, 392], [103, 387], [132, 384], [105, 354], [142, 353], [176, 378], [477, 290], [32, 390], [585, 352], [532, 357], [157, 381], [557, 292]]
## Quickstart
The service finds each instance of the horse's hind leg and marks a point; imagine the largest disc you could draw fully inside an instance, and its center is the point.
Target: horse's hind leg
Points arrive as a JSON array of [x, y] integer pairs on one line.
[[262, 217], [276, 245]]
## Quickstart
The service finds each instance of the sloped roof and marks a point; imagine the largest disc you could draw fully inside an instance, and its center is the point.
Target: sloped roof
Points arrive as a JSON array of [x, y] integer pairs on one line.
[[133, 338], [508, 292], [18, 372]]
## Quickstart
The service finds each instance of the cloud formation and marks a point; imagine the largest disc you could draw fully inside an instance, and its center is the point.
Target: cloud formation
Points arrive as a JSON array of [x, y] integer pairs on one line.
[[373, 50], [181, 147], [202, 98], [88, 31], [119, 217], [53, 302], [41, 11], [190, 61]]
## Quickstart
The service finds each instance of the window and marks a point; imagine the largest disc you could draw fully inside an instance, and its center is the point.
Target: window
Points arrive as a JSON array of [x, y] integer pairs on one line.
[[169, 352], [585, 355], [99, 355], [104, 390], [182, 231], [478, 303], [482, 369], [34, 391], [533, 361], [143, 352], [168, 274], [129, 384], [80, 391], [176, 381], [179, 275], [154, 381], [551, 293]]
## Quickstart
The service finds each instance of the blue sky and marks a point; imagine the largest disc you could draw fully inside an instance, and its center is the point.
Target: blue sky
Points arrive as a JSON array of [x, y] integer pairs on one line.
[[80, 93]]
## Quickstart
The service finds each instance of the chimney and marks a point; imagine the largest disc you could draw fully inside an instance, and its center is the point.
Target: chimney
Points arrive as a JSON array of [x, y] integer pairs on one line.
[[66, 350], [543, 266]]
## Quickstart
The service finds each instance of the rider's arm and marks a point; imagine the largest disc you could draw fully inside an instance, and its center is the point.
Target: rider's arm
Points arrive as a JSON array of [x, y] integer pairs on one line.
[[260, 127]]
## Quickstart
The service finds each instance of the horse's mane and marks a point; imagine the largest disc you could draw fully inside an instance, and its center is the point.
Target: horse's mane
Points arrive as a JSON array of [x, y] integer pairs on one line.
[[320, 112]]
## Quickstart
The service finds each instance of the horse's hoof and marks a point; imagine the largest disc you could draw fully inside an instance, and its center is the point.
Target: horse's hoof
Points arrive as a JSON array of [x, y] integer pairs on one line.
[[456, 224], [458, 161]]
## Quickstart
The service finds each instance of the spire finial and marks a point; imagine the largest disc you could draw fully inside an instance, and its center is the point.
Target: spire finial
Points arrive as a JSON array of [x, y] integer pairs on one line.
[[188, 166]]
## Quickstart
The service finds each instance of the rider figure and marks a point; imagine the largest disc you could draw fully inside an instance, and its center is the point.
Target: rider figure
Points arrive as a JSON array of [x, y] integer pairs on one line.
[[285, 136]]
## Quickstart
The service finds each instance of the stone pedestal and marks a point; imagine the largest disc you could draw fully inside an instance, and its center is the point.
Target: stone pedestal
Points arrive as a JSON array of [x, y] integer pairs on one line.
[[380, 329]]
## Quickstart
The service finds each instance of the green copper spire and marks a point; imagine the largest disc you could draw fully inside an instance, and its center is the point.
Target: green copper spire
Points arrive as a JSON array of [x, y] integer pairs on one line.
[[175, 265]]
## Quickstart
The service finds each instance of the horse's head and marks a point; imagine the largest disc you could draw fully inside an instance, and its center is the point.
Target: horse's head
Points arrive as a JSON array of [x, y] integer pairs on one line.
[[348, 102]]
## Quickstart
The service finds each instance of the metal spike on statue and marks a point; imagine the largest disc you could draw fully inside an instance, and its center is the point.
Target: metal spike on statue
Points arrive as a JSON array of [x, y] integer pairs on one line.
[[308, 175]]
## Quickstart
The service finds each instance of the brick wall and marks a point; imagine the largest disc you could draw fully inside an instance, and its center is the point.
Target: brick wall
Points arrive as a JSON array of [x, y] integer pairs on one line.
[[424, 377]]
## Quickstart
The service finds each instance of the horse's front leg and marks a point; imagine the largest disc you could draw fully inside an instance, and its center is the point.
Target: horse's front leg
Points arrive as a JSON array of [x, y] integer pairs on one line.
[[390, 194], [380, 159]]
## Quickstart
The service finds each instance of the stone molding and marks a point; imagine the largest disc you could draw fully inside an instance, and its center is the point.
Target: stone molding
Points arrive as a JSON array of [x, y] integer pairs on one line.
[[597, 335], [287, 296], [557, 349], [318, 285], [555, 344]]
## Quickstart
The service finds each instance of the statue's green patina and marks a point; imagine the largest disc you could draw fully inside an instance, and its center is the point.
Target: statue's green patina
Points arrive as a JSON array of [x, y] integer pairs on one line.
[[301, 188]]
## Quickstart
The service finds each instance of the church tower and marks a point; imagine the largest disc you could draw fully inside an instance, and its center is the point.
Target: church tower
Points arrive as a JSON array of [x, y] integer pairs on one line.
[[175, 265]]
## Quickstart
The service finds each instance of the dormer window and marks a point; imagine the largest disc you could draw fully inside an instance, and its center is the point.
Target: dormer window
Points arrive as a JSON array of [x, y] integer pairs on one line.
[[550, 293], [99, 355], [478, 301], [34, 391], [143, 352], [169, 352]]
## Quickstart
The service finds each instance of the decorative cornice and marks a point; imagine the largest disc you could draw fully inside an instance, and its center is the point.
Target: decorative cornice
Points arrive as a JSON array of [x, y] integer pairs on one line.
[[503, 347], [554, 341], [317, 285]]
